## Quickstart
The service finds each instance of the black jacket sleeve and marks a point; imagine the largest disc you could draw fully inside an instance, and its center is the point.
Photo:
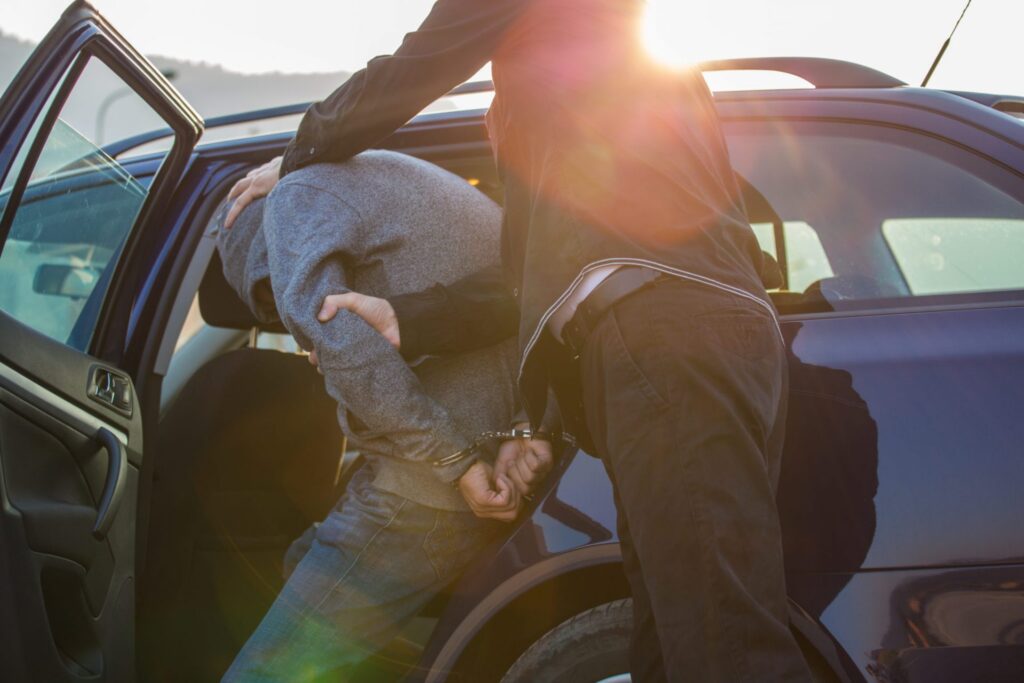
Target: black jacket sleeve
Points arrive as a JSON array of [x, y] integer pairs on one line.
[[455, 41], [472, 313]]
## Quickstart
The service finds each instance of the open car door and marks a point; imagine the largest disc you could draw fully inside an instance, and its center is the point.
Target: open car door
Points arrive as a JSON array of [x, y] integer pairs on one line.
[[75, 226]]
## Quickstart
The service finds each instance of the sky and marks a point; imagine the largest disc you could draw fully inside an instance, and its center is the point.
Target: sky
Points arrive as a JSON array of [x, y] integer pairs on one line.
[[900, 37]]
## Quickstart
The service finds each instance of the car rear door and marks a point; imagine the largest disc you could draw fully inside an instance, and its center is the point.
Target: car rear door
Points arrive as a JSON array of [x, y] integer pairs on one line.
[[900, 234], [74, 225]]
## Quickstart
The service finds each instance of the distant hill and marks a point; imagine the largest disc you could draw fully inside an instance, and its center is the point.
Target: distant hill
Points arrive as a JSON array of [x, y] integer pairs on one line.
[[211, 89], [13, 51]]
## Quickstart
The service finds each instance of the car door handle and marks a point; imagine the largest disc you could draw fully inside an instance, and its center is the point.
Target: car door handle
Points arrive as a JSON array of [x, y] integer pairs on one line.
[[113, 488]]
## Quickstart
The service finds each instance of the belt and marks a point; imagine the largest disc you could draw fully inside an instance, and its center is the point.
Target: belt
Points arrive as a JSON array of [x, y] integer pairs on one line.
[[613, 289]]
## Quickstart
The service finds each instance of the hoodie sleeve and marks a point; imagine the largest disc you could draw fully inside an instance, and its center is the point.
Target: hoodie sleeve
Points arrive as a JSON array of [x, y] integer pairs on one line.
[[311, 235]]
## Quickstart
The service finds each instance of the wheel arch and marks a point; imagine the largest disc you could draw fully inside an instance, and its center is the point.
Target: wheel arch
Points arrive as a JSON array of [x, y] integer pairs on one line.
[[521, 609], [526, 606]]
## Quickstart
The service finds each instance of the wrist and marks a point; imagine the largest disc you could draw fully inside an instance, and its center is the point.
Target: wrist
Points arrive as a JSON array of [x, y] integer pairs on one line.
[[452, 469]]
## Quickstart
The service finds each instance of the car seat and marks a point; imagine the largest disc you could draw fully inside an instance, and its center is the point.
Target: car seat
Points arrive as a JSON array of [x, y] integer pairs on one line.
[[249, 456]]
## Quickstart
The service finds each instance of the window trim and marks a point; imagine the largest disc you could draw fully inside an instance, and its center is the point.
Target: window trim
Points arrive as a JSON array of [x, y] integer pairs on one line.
[[945, 306]]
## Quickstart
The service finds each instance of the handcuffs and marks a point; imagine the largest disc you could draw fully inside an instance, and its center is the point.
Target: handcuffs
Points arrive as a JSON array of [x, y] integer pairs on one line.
[[484, 437]]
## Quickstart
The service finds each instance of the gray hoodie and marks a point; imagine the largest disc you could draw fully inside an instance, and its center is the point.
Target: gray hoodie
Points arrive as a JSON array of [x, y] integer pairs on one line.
[[382, 224]]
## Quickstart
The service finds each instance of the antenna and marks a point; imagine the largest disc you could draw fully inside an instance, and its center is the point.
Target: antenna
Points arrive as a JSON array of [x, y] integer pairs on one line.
[[945, 46]]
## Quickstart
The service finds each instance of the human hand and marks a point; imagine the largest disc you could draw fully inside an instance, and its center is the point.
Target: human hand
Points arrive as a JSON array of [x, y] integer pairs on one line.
[[489, 496], [377, 313], [525, 462], [257, 183]]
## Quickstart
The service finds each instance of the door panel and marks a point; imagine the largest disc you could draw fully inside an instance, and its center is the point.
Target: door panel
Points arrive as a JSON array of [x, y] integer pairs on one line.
[[898, 490], [73, 602], [74, 227]]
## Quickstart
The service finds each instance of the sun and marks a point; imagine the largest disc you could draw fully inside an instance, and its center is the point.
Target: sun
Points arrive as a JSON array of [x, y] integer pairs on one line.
[[667, 31]]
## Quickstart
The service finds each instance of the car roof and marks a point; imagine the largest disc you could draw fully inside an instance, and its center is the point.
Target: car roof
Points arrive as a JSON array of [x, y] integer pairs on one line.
[[832, 81]]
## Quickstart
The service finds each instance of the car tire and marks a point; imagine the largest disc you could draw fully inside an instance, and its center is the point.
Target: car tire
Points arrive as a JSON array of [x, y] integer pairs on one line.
[[593, 646]]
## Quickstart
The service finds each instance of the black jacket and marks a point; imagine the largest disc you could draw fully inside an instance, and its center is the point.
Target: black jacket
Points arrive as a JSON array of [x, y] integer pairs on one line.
[[605, 158]]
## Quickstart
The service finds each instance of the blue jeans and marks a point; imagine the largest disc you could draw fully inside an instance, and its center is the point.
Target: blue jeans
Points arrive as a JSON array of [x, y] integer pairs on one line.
[[372, 564]]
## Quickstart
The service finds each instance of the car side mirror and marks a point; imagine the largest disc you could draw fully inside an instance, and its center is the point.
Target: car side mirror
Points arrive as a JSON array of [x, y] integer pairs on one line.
[[57, 279]]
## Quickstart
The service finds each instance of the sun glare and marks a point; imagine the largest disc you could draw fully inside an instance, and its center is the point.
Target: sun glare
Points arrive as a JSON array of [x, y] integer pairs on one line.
[[679, 35], [667, 34]]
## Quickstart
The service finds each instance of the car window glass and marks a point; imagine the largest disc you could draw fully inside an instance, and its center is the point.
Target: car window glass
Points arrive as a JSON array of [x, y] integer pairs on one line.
[[76, 212], [806, 260], [19, 160], [874, 216], [943, 255]]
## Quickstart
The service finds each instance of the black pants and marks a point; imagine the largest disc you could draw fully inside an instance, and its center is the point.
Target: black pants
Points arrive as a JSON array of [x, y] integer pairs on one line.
[[684, 394]]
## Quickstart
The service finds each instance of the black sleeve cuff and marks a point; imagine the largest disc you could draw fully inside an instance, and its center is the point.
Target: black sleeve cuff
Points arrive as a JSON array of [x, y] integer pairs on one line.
[[420, 330], [472, 313], [298, 154]]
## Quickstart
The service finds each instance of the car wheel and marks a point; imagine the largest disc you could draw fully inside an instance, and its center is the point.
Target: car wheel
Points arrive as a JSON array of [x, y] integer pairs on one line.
[[592, 647]]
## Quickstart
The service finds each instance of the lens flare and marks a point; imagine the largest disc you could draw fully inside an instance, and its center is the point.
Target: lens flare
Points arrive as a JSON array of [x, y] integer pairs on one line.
[[668, 33]]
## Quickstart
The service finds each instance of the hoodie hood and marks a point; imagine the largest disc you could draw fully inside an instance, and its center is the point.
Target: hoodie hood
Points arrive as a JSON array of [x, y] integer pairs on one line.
[[243, 252]]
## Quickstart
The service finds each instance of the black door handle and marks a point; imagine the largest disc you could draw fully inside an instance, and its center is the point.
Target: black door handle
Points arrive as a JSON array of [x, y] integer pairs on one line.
[[113, 488]]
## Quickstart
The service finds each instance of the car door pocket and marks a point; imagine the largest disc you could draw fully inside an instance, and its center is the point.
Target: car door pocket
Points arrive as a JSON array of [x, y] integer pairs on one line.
[[54, 485], [63, 530], [72, 627]]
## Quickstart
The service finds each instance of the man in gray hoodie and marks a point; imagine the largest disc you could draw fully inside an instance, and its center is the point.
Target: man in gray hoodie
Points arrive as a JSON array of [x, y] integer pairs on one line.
[[413, 516]]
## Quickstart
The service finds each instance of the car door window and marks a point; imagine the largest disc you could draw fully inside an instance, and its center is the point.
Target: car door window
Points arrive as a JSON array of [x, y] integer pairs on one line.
[[945, 255], [877, 217], [70, 224], [805, 257]]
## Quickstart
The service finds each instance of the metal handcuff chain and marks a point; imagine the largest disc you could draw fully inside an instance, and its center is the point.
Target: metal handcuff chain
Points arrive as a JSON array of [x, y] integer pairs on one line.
[[485, 437]]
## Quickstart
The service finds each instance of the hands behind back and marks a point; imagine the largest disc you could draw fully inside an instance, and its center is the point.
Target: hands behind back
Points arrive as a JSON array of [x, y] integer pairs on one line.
[[525, 462], [489, 495], [493, 493]]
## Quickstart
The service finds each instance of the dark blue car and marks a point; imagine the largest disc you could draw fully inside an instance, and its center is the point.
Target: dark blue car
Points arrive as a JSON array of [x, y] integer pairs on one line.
[[158, 451]]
